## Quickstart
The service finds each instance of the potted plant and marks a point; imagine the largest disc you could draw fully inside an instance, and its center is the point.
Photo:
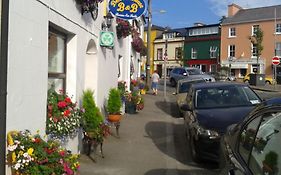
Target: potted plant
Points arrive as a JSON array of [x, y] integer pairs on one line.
[[114, 105], [63, 115], [92, 122], [30, 154]]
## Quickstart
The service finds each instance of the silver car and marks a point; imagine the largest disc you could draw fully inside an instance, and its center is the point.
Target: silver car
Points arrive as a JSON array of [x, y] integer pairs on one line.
[[179, 73], [182, 89]]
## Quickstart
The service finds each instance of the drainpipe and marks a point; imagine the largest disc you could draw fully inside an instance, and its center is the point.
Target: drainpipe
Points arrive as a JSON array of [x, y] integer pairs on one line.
[[3, 81]]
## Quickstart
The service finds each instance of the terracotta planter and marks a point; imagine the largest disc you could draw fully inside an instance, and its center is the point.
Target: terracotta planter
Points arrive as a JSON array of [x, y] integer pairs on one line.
[[114, 117]]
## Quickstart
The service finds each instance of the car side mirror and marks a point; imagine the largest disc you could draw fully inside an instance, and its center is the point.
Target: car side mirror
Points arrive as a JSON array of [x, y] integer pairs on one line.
[[185, 107], [174, 93]]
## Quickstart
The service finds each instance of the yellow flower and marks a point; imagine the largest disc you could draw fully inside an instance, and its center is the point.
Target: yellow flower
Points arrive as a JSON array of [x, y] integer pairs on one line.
[[20, 153], [30, 151], [14, 157]]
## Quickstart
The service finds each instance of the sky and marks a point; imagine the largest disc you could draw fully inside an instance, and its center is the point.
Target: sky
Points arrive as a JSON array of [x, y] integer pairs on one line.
[[184, 13]]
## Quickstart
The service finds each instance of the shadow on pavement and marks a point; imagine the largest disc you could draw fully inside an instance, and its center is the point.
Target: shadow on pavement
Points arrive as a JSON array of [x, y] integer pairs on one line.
[[176, 147], [180, 172], [169, 108]]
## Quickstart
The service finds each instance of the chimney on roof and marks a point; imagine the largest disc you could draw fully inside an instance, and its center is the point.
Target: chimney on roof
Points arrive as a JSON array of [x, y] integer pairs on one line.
[[233, 9]]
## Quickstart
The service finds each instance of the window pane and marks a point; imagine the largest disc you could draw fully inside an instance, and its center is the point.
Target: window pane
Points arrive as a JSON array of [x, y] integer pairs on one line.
[[247, 137], [265, 157], [56, 53], [56, 83]]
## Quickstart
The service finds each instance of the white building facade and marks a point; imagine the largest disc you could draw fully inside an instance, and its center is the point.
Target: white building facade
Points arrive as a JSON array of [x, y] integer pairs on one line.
[[41, 29]]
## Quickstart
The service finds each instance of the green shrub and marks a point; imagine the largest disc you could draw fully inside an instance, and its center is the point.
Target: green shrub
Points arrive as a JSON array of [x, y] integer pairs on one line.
[[92, 117], [114, 103]]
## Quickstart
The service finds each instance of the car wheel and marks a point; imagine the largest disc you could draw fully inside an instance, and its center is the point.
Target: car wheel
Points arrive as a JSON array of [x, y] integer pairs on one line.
[[173, 83], [246, 81], [193, 149], [267, 82]]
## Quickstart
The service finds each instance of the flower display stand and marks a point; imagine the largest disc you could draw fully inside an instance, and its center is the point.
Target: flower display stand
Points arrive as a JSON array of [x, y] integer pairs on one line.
[[114, 120]]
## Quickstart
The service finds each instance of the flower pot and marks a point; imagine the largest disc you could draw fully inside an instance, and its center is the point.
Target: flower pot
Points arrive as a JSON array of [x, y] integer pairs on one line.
[[114, 117], [131, 108]]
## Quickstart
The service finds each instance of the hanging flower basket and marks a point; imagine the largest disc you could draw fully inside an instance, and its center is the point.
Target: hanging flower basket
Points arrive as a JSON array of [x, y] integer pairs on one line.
[[123, 28], [89, 6]]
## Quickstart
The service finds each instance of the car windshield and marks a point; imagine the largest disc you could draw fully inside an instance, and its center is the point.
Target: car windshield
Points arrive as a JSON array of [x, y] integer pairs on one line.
[[184, 86], [226, 96], [194, 71]]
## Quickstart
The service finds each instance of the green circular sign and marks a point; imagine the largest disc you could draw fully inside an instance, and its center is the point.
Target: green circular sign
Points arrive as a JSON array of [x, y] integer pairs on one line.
[[107, 39]]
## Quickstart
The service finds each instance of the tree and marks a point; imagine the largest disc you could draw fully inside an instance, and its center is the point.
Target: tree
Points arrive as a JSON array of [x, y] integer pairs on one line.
[[256, 40]]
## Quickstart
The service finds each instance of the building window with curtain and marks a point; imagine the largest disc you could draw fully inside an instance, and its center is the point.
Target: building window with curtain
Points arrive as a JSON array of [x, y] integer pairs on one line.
[[232, 32], [254, 50], [56, 60], [160, 54], [278, 28], [193, 53], [278, 49], [254, 29], [178, 53], [213, 52], [231, 50]]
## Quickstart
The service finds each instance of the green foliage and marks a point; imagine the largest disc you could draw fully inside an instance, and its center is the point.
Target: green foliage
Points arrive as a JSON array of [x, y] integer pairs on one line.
[[114, 102], [271, 159], [92, 117]]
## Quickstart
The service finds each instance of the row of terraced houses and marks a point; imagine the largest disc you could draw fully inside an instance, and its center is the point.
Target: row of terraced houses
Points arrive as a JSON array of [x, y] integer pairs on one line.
[[225, 44]]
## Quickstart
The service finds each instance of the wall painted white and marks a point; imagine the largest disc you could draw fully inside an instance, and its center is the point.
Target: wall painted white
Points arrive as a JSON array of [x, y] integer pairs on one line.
[[28, 59]]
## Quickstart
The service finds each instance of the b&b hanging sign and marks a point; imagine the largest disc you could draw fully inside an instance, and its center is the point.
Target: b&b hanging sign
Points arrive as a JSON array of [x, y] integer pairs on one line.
[[127, 9]]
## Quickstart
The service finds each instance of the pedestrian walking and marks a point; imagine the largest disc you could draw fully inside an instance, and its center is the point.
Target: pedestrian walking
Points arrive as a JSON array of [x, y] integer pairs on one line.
[[155, 80]]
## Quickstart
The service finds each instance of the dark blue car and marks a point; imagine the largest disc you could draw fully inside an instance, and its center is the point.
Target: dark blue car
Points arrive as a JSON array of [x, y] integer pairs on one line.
[[210, 109]]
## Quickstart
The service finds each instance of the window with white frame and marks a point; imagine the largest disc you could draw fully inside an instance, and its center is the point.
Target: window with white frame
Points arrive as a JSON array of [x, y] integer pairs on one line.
[[193, 53], [56, 60], [204, 31], [160, 54], [213, 52], [278, 28], [254, 50], [278, 49], [232, 32], [231, 50], [255, 29]]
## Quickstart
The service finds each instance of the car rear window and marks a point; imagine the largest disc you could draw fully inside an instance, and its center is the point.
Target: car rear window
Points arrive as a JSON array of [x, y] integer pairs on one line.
[[226, 96]]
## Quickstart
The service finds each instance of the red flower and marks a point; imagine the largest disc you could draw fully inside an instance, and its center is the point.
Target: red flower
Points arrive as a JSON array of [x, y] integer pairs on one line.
[[62, 104], [37, 140], [62, 153], [67, 100], [66, 112]]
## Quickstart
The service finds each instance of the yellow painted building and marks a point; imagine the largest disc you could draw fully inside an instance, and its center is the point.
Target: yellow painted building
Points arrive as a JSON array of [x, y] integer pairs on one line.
[[155, 32]]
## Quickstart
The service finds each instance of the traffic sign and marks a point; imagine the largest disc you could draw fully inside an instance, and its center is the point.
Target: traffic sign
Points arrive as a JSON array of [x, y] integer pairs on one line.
[[275, 60]]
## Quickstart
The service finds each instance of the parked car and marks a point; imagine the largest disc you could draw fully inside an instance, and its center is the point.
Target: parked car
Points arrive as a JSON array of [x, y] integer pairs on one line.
[[211, 108], [253, 146], [182, 89], [268, 80], [179, 73], [221, 76]]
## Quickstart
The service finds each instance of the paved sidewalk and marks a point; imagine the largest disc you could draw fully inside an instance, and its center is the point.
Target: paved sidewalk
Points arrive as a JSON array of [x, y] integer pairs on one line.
[[150, 143]]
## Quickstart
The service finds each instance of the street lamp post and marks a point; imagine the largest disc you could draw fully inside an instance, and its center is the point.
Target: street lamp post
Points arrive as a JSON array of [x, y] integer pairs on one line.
[[148, 44], [165, 65]]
